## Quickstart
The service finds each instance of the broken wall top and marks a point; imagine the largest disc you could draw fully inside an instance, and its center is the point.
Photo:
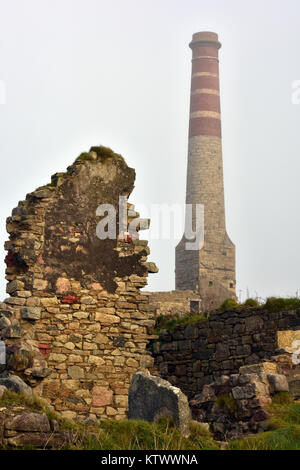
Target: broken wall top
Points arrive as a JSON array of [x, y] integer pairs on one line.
[[53, 232]]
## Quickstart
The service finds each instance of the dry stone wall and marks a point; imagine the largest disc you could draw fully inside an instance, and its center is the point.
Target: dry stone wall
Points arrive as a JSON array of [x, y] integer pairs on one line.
[[75, 324], [194, 355], [175, 303], [237, 405]]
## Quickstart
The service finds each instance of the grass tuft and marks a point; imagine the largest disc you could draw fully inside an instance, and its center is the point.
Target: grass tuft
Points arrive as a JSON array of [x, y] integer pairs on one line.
[[226, 402], [284, 428], [171, 322], [279, 304], [228, 304], [251, 303], [34, 403]]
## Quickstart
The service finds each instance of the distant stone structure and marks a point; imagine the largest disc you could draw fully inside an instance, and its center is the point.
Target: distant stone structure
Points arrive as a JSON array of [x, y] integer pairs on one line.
[[210, 271], [175, 303], [76, 325], [191, 356]]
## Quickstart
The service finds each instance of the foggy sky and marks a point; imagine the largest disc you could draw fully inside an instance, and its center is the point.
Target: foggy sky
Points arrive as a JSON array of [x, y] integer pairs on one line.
[[87, 72]]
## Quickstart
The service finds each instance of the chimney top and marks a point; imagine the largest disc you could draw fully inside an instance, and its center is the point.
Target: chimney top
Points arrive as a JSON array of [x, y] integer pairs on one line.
[[205, 37]]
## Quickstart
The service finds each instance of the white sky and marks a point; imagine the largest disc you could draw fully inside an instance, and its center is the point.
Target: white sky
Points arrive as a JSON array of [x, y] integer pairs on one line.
[[87, 72]]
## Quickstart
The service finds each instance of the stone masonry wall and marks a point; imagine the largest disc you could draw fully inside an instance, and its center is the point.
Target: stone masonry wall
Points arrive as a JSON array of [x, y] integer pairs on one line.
[[193, 355], [175, 302], [76, 325]]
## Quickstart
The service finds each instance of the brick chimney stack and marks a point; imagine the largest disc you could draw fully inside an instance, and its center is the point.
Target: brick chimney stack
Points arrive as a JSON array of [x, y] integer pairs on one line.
[[210, 270]]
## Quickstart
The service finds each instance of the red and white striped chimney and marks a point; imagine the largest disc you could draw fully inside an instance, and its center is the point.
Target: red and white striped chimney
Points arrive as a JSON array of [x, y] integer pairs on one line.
[[212, 268]]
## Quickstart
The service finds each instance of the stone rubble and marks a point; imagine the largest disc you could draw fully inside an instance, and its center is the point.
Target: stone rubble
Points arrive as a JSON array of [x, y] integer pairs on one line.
[[237, 405]]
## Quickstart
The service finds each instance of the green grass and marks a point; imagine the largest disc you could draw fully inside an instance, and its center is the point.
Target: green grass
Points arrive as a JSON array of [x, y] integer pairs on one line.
[[283, 432], [272, 304], [117, 435], [278, 304], [251, 303], [105, 152], [142, 435], [34, 403], [228, 304], [171, 322], [227, 402]]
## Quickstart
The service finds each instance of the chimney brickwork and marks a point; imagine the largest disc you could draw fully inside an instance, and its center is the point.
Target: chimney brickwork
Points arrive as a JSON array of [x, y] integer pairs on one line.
[[211, 269]]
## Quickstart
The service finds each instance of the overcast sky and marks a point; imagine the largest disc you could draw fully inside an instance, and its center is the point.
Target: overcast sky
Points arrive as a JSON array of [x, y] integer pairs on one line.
[[87, 72]]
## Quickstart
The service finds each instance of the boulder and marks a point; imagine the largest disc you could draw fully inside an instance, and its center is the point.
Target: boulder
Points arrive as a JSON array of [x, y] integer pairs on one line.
[[2, 390], [278, 383], [294, 386], [41, 440], [14, 383], [151, 398], [29, 422], [263, 367]]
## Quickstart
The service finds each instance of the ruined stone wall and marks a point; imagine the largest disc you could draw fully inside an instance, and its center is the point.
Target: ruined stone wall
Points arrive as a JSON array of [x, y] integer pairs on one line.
[[175, 303], [196, 354], [76, 325]]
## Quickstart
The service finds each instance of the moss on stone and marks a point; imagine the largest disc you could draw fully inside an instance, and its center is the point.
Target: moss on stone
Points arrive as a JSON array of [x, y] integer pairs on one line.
[[103, 153], [172, 322]]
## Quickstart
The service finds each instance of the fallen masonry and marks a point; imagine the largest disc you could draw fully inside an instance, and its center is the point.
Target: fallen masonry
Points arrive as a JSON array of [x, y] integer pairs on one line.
[[237, 405]]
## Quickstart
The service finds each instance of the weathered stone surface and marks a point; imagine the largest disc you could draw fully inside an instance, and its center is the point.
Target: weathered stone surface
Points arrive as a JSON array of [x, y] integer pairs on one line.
[[14, 383], [76, 372], [37, 422], [286, 339], [278, 383], [14, 286], [107, 319], [31, 313], [264, 367], [237, 405], [2, 390], [174, 302], [40, 440], [102, 396], [40, 284], [62, 285], [151, 398]]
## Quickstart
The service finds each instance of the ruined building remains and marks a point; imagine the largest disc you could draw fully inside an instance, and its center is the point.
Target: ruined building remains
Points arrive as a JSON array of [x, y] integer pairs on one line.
[[209, 270], [75, 324]]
